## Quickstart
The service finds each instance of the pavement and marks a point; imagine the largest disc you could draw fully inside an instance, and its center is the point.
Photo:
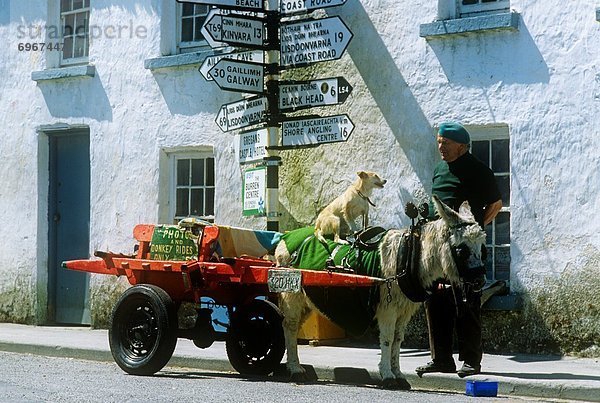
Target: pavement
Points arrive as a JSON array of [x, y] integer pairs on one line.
[[529, 376]]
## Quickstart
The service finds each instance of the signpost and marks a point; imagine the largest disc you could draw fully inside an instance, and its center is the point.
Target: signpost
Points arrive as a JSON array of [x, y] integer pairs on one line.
[[244, 113], [307, 94], [233, 30], [254, 191], [290, 7], [319, 130], [250, 5], [252, 56], [251, 146], [239, 76], [312, 41]]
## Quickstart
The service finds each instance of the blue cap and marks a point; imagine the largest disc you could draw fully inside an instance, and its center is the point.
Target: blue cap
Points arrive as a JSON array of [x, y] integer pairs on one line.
[[454, 131]]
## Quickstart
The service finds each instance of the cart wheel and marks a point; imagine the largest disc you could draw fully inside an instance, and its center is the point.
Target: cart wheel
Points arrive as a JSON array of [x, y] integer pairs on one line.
[[255, 342], [143, 330]]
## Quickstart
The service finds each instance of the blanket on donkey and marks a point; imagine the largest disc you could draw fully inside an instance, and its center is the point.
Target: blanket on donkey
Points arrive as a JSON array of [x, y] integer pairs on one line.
[[353, 309]]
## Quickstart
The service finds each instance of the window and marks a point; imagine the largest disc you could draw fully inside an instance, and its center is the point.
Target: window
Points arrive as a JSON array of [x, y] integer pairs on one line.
[[75, 17], [467, 8], [496, 154], [192, 17], [193, 186]]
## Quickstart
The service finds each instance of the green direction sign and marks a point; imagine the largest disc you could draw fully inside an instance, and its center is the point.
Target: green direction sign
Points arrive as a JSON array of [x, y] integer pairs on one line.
[[170, 242], [254, 191]]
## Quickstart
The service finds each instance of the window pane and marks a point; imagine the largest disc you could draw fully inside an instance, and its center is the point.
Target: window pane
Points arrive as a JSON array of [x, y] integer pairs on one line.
[[77, 4], [480, 149], [201, 9], [197, 202], [183, 172], [500, 156], [79, 49], [502, 261], [182, 205], [65, 5], [69, 27], [488, 1], [488, 234], [503, 228], [489, 264], [504, 186], [68, 47], [187, 30], [467, 2], [210, 172], [210, 201], [198, 27], [187, 9], [197, 172]]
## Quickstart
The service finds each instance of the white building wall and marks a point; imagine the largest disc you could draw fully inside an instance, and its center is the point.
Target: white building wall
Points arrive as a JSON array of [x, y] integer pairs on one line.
[[542, 81]]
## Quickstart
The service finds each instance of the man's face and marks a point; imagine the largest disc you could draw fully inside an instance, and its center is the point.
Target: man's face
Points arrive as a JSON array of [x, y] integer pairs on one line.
[[450, 150]]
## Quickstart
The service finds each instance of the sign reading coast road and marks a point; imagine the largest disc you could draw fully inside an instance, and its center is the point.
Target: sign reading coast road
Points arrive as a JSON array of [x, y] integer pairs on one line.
[[289, 7], [307, 94], [251, 5], [233, 30], [239, 76], [320, 130], [244, 113], [313, 41]]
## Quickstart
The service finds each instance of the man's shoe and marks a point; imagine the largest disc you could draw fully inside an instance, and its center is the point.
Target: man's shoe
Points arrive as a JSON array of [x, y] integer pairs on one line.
[[432, 366], [468, 370]]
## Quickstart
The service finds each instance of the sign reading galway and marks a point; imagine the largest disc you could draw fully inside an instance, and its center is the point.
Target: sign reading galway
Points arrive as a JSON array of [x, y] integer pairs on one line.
[[239, 76], [307, 94], [253, 192], [320, 130], [253, 56], [313, 41]]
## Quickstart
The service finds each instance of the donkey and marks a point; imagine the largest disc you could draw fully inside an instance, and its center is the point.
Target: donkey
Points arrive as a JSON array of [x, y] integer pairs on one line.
[[440, 239]]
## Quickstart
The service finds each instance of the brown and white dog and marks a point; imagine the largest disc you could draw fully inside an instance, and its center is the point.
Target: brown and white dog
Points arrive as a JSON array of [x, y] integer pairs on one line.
[[342, 212]]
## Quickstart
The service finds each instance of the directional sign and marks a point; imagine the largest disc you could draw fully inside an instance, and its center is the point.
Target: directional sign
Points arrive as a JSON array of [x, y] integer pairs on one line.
[[313, 41], [244, 113], [239, 76], [254, 192], [289, 7], [307, 94], [255, 5], [251, 146], [253, 56], [233, 30], [320, 130]]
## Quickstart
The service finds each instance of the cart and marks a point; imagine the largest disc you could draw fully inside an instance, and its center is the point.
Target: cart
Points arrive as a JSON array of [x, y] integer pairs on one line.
[[190, 263]]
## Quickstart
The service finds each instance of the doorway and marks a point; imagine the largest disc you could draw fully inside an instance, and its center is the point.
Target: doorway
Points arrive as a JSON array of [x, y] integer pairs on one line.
[[69, 222]]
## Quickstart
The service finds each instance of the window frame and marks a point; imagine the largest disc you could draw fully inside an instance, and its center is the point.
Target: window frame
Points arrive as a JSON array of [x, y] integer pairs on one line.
[[481, 8], [193, 46], [61, 18], [489, 134], [174, 157]]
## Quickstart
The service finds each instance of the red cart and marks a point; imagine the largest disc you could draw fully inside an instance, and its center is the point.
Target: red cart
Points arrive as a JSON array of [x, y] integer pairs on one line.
[[144, 323]]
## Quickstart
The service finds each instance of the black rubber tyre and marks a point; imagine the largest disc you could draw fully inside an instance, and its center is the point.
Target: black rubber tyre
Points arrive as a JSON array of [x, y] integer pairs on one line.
[[143, 330], [255, 343]]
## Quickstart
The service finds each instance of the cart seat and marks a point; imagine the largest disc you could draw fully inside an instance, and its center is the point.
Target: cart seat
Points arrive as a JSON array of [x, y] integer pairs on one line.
[[236, 242]]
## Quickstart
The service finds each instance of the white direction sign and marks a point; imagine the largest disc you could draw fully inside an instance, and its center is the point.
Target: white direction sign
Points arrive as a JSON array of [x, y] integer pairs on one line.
[[289, 7], [253, 56], [251, 146], [307, 94], [320, 130], [239, 76], [256, 5], [254, 190], [313, 41], [233, 30], [244, 113]]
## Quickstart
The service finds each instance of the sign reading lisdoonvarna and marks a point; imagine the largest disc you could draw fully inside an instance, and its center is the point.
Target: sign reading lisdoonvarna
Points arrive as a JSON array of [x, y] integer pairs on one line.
[[170, 242]]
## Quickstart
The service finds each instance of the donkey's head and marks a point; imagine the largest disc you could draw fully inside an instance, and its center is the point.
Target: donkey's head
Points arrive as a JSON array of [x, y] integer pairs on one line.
[[464, 244]]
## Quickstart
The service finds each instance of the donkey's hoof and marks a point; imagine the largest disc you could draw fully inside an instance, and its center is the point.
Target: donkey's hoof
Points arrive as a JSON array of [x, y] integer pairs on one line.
[[395, 384], [299, 377]]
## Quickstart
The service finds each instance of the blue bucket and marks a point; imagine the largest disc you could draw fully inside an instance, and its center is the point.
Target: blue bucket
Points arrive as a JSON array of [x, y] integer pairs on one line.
[[482, 388]]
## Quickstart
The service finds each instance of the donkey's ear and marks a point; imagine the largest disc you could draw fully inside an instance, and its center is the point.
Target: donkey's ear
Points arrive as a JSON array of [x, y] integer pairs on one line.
[[448, 215], [465, 211]]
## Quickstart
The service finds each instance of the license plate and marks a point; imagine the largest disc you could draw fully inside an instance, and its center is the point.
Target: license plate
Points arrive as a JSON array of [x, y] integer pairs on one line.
[[284, 280]]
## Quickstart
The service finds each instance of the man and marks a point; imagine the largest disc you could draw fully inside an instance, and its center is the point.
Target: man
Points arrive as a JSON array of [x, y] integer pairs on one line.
[[459, 177]]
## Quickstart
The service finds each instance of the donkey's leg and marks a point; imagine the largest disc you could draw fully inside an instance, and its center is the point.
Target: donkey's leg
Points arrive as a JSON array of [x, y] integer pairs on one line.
[[386, 321], [401, 381], [294, 309]]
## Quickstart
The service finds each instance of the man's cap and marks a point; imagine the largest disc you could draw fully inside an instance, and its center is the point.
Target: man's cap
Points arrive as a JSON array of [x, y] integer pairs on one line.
[[454, 131]]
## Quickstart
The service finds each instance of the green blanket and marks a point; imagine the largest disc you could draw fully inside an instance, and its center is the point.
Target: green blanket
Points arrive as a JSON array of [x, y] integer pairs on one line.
[[352, 309]]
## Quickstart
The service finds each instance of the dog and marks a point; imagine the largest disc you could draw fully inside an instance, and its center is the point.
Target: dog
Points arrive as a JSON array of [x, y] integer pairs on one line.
[[346, 208], [438, 241]]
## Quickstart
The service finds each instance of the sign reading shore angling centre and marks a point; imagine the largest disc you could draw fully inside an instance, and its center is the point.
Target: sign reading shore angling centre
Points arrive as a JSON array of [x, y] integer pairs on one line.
[[312, 41], [320, 130], [307, 94]]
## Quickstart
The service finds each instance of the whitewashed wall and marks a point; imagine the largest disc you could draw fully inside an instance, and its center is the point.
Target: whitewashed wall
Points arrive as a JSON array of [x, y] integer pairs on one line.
[[543, 82]]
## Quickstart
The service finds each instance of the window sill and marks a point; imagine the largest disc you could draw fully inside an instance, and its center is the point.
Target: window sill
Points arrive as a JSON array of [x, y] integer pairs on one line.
[[499, 21], [183, 59], [598, 14], [510, 302], [64, 72]]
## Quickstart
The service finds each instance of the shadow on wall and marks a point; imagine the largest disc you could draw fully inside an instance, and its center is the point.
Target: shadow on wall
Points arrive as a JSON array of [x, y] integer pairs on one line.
[[394, 98], [77, 98], [187, 93], [507, 57]]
